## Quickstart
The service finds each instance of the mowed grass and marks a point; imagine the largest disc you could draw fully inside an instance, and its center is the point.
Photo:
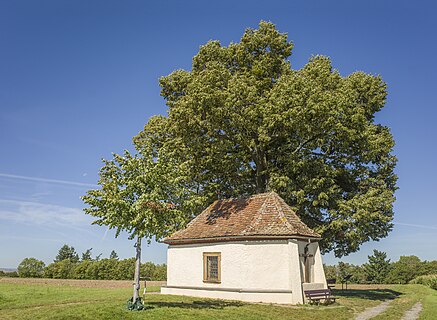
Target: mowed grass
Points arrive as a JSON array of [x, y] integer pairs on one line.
[[403, 298], [19, 301], [412, 294]]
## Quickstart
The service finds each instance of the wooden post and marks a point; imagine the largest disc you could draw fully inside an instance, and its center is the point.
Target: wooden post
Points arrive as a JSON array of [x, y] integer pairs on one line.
[[137, 270]]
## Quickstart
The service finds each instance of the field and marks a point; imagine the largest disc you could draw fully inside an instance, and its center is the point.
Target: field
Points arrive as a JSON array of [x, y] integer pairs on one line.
[[86, 299]]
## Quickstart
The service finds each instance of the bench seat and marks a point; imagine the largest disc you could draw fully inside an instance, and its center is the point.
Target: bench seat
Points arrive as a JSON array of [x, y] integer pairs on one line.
[[314, 296]]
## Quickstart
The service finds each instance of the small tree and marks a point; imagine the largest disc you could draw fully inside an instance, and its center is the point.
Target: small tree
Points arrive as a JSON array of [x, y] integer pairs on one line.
[[67, 253], [31, 268], [140, 195], [86, 256], [378, 267], [113, 255]]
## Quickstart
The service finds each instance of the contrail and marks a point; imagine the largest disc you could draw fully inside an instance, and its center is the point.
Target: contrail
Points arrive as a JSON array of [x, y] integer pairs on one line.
[[71, 183], [416, 225], [104, 236]]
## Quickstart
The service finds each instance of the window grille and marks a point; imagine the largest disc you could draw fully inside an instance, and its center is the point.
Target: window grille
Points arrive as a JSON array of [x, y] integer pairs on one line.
[[211, 267]]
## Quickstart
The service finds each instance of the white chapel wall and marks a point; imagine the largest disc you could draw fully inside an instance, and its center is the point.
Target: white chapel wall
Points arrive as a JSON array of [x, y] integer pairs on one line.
[[273, 267], [244, 265]]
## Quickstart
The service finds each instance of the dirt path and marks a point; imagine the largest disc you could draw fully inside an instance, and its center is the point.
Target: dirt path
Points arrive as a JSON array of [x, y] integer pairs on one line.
[[373, 311], [413, 313]]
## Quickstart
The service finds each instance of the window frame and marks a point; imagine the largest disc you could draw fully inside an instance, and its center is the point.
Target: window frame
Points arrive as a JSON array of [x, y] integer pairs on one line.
[[205, 267]]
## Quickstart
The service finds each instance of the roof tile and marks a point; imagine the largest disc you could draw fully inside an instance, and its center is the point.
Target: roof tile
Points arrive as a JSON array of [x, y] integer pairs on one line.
[[261, 215]]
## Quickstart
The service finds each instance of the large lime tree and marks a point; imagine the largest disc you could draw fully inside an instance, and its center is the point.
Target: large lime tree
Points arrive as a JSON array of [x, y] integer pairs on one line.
[[243, 121]]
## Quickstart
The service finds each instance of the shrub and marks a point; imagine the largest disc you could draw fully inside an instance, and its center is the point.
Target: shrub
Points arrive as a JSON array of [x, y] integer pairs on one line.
[[31, 268], [428, 280], [105, 269], [60, 270]]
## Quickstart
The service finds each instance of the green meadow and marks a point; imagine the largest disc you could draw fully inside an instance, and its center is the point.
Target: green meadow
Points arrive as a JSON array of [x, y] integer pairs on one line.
[[51, 301]]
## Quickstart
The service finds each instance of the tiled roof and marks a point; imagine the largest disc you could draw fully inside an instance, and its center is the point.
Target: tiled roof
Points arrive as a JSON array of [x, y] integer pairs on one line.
[[260, 216]]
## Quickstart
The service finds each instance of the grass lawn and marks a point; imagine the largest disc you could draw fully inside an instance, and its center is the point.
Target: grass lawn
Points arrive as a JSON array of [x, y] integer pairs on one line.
[[36, 301]]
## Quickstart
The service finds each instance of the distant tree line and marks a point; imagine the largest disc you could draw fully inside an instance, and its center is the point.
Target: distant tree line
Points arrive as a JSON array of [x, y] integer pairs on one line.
[[68, 265], [381, 270], [9, 274]]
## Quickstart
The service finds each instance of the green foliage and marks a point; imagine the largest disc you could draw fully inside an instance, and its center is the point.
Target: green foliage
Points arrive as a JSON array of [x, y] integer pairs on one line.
[[31, 268], [378, 267], [340, 271], [154, 272], [125, 269], [86, 256], [380, 270], [345, 269], [330, 271], [160, 273], [405, 270], [104, 269], [113, 255], [60, 270], [13, 274], [428, 267], [67, 253], [137, 196], [242, 121], [428, 280]]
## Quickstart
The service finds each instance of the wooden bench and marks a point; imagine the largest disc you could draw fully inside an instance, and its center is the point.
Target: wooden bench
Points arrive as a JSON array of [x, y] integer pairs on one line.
[[314, 296]]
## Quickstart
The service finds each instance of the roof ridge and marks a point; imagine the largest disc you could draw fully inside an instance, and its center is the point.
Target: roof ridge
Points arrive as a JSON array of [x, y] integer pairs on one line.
[[259, 212], [281, 213], [292, 212]]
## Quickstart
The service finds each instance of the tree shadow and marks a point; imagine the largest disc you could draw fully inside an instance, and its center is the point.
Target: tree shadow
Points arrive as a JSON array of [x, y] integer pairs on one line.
[[370, 294], [206, 304], [223, 209]]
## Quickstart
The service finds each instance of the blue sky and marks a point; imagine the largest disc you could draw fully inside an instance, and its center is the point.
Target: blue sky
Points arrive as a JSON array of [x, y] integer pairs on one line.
[[78, 79]]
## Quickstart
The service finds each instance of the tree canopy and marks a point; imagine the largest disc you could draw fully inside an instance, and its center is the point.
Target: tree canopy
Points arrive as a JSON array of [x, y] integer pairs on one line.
[[113, 255], [31, 268], [86, 256], [242, 121], [67, 253], [141, 195], [407, 268], [378, 267]]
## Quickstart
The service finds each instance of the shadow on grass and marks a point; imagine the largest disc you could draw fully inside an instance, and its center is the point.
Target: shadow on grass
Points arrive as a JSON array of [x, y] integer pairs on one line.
[[208, 304], [376, 294]]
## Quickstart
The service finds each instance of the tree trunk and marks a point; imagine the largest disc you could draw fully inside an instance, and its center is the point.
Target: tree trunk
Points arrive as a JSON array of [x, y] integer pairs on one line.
[[137, 270], [261, 170]]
